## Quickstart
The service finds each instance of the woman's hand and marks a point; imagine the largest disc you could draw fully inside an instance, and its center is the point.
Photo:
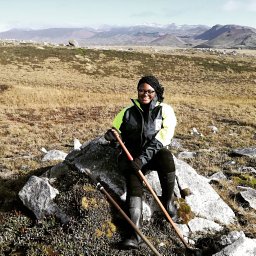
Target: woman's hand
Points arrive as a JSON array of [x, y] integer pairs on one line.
[[109, 136], [136, 164]]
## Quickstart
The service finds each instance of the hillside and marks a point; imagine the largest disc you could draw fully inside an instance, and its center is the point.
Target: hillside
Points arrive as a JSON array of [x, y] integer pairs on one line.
[[230, 36], [168, 40], [51, 95], [54, 35], [184, 36]]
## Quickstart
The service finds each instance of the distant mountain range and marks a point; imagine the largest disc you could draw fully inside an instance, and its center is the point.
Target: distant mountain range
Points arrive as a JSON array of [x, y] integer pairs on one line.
[[187, 36]]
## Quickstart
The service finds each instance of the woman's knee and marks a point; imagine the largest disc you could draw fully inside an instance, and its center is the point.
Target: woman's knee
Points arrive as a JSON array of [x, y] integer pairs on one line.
[[123, 164], [165, 160]]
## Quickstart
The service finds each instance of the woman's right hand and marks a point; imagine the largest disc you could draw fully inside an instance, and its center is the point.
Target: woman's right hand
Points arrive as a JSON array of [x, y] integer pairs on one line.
[[109, 136]]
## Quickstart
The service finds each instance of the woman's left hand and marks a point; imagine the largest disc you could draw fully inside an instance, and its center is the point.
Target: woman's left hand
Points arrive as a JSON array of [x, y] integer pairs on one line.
[[136, 164]]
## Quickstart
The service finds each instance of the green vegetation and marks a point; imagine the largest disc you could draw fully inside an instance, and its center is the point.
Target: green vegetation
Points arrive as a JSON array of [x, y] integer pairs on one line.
[[184, 211], [245, 180]]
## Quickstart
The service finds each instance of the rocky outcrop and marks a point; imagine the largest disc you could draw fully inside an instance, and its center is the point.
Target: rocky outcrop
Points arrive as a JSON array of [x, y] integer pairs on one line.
[[251, 152], [54, 155], [73, 43], [249, 195], [210, 214], [242, 246]]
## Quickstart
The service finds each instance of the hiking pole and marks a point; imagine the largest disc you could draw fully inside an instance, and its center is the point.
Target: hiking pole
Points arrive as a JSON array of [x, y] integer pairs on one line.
[[102, 189], [152, 191]]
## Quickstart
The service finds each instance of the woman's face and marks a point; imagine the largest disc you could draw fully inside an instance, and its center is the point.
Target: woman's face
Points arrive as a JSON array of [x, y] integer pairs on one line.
[[146, 93]]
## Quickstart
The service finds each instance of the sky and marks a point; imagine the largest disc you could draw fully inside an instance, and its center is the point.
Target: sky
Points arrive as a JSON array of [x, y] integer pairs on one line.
[[39, 14]]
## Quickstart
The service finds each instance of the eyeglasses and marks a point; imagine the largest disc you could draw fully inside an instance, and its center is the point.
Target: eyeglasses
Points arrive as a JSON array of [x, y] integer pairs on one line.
[[146, 91]]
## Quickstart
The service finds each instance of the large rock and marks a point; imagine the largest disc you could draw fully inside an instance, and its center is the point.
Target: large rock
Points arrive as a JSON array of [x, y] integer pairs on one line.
[[249, 195], [211, 212], [251, 152], [231, 237], [54, 155], [38, 195], [100, 158], [203, 200], [247, 169], [243, 246], [73, 42]]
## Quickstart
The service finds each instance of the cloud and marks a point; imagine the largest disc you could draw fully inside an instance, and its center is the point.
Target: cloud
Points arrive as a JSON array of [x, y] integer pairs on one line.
[[252, 6], [232, 5], [236, 5]]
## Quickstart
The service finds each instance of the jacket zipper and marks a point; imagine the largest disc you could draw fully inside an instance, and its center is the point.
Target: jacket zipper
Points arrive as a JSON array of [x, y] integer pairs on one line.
[[142, 122]]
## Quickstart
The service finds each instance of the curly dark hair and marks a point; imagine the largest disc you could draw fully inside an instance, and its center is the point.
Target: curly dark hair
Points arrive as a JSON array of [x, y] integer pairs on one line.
[[153, 82]]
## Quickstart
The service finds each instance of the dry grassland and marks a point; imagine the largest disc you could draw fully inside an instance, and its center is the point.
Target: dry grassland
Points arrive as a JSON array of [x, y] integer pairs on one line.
[[50, 95]]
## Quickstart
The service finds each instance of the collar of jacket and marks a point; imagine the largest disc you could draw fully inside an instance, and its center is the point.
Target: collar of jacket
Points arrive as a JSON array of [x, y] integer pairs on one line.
[[154, 103]]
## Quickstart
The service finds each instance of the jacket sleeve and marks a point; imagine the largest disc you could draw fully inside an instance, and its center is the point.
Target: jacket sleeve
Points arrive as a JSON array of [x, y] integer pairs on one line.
[[166, 133], [118, 120], [163, 137]]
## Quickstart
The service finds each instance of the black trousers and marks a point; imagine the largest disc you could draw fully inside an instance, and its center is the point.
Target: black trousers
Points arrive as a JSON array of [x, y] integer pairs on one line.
[[162, 162]]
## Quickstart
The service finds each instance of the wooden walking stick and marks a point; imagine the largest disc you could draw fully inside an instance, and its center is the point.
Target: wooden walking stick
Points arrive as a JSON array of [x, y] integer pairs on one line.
[[102, 189], [129, 156]]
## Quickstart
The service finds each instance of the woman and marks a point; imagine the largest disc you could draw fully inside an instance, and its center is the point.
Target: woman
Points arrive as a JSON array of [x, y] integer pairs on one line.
[[146, 128]]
